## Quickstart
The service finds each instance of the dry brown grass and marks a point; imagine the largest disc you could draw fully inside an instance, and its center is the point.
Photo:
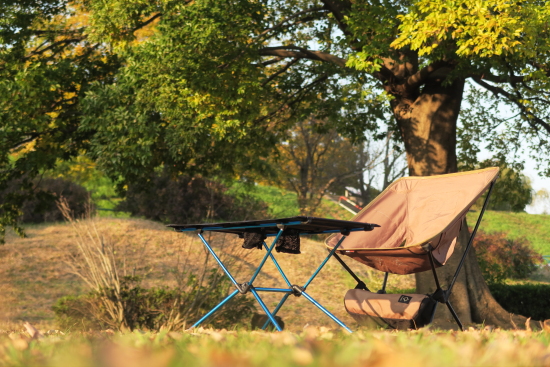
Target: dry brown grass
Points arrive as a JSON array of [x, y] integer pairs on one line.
[[36, 275]]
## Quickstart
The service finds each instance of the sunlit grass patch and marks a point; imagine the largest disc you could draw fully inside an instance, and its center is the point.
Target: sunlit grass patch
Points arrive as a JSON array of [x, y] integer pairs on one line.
[[534, 227]]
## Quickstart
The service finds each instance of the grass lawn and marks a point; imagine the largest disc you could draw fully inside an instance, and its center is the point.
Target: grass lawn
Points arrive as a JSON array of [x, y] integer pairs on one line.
[[534, 227], [311, 347], [282, 203]]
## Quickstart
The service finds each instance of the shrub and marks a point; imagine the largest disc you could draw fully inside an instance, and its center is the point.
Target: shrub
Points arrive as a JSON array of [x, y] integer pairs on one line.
[[118, 301], [529, 300], [188, 200], [154, 308], [41, 206], [500, 257]]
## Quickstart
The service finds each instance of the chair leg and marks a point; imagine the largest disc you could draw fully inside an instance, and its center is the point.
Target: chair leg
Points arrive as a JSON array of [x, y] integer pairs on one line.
[[454, 315]]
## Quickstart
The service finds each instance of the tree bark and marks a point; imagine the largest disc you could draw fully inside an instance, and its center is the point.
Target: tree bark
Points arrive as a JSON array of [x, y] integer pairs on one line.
[[428, 127]]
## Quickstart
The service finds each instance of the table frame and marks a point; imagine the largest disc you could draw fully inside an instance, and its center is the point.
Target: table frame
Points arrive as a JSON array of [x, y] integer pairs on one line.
[[292, 289]]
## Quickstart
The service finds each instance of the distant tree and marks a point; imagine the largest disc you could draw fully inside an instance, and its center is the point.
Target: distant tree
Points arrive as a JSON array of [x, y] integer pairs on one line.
[[542, 200], [512, 191], [389, 162], [311, 161]]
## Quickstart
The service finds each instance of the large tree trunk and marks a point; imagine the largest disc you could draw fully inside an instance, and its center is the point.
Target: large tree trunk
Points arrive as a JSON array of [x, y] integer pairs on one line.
[[428, 126]]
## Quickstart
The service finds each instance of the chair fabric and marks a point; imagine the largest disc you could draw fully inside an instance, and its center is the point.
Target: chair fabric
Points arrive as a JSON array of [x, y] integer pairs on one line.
[[416, 215], [398, 311]]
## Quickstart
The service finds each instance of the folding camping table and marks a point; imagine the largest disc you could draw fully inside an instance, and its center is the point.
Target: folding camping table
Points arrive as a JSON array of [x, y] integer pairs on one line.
[[276, 228]]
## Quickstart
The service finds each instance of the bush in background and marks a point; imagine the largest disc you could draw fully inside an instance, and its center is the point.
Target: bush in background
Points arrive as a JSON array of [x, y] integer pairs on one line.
[[42, 207], [189, 200], [500, 257], [529, 300]]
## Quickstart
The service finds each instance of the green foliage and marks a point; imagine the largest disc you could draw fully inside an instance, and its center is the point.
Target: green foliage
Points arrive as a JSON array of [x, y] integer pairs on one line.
[[47, 67], [188, 200], [501, 258], [280, 203], [154, 308], [472, 28], [529, 300], [190, 114], [207, 87], [511, 192]]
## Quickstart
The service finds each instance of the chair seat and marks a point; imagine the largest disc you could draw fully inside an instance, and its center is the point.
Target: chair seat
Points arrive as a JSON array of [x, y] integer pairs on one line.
[[416, 215]]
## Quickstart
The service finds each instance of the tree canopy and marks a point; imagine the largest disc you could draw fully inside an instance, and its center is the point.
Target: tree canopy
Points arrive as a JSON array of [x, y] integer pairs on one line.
[[210, 86]]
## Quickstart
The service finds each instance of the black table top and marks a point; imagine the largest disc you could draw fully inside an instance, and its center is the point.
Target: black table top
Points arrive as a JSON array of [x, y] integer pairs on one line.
[[306, 225]]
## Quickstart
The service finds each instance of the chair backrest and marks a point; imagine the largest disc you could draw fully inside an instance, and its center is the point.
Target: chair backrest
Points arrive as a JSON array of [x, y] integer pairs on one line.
[[416, 211]]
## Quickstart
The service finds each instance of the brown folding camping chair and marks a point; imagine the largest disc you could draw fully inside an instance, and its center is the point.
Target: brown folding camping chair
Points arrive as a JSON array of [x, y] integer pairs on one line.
[[420, 219]]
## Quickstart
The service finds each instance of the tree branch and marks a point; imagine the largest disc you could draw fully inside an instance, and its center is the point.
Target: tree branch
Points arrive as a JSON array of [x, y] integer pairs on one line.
[[499, 91], [280, 71], [338, 8], [421, 76], [20, 143], [293, 16], [301, 53], [147, 22], [286, 102], [272, 61], [500, 79], [53, 45]]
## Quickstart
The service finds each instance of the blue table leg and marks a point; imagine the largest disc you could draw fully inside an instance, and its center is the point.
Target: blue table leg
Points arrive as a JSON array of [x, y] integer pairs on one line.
[[269, 250], [215, 308], [308, 297], [324, 262], [226, 271], [271, 316], [277, 266], [281, 302], [264, 307]]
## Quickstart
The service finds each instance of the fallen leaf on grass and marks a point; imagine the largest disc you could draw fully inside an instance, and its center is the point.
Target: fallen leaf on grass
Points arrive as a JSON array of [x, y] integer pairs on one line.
[[19, 341], [302, 356], [116, 355], [33, 332], [174, 335]]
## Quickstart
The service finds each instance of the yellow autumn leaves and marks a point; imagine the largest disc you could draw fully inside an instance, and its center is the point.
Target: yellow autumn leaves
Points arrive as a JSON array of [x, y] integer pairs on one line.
[[475, 28]]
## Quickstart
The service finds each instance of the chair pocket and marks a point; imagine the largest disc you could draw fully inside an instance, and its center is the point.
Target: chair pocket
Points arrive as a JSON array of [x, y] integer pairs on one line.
[[397, 311]]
